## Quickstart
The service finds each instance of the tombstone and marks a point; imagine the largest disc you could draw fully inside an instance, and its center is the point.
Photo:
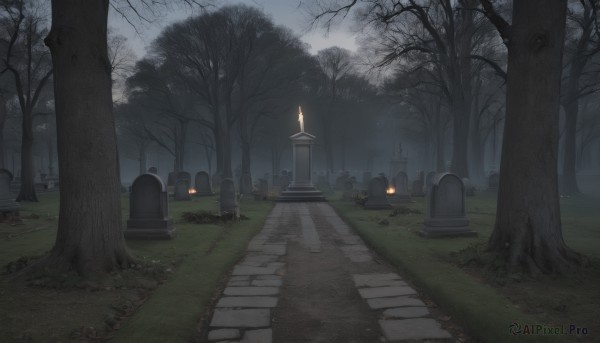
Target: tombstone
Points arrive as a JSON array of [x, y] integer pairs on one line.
[[228, 201], [366, 177], [445, 213], [429, 181], [493, 182], [149, 210], [183, 175], [182, 190], [401, 191], [202, 184], [377, 199], [349, 191], [153, 170], [469, 188], [171, 179], [7, 202]]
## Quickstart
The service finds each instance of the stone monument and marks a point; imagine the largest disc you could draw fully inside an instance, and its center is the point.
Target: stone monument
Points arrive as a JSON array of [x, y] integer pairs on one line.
[[398, 162], [401, 192], [202, 184], [301, 187], [377, 199], [149, 209], [445, 213], [182, 190]]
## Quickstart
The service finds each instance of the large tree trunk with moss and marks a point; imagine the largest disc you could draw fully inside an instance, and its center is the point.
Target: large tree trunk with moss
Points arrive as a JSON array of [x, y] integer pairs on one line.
[[527, 231], [90, 238]]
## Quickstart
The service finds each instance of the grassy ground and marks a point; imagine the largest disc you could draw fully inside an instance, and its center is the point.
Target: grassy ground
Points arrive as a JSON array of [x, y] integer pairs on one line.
[[162, 300], [488, 304]]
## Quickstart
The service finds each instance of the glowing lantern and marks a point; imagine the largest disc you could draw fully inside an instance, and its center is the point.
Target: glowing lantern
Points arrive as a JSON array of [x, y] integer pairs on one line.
[[390, 191], [192, 191]]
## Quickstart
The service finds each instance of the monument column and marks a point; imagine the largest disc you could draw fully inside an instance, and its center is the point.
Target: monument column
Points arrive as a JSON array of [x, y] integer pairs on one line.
[[301, 188]]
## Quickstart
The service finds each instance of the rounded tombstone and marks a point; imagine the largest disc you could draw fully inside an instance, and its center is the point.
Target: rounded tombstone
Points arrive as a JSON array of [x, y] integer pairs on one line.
[[146, 198], [182, 190], [448, 196], [183, 175], [202, 183]]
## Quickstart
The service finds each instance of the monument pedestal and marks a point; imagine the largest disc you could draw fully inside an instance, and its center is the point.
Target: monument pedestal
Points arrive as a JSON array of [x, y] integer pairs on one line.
[[301, 188]]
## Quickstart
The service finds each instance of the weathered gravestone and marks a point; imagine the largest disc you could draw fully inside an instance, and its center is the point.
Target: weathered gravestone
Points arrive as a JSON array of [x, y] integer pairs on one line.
[[349, 192], [376, 198], [493, 182], [7, 201], [228, 202], [149, 209], [402, 194], [202, 184], [153, 170], [183, 175], [418, 185], [445, 214], [182, 190], [469, 188]]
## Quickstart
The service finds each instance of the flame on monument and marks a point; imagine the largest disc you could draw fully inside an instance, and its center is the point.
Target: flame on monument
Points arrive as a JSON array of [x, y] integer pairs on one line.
[[391, 190], [192, 191]]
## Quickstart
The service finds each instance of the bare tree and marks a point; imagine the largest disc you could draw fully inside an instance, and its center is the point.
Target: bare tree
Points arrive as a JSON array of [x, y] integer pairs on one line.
[[28, 62], [580, 78], [90, 237]]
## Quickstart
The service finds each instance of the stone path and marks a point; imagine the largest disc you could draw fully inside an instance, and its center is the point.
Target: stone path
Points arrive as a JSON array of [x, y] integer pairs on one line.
[[308, 278]]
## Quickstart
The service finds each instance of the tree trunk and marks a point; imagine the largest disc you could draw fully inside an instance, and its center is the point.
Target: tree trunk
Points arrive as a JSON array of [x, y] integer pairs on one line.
[[3, 116], [439, 142], [527, 232], [27, 191], [569, 177], [477, 152], [90, 237], [460, 145]]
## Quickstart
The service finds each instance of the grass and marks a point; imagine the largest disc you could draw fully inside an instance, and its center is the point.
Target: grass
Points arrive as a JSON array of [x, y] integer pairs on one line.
[[486, 305], [159, 304]]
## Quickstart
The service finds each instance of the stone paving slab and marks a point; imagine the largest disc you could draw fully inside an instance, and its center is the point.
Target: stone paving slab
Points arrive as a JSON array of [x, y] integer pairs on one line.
[[362, 280], [274, 249], [221, 334], [405, 329], [377, 303], [272, 283], [241, 318], [239, 278], [238, 283], [249, 291], [359, 256], [251, 302], [258, 336], [250, 270], [406, 312], [268, 277], [381, 292]]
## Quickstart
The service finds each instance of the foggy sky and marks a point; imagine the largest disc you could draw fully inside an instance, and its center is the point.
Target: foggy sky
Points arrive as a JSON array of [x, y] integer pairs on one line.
[[283, 12]]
